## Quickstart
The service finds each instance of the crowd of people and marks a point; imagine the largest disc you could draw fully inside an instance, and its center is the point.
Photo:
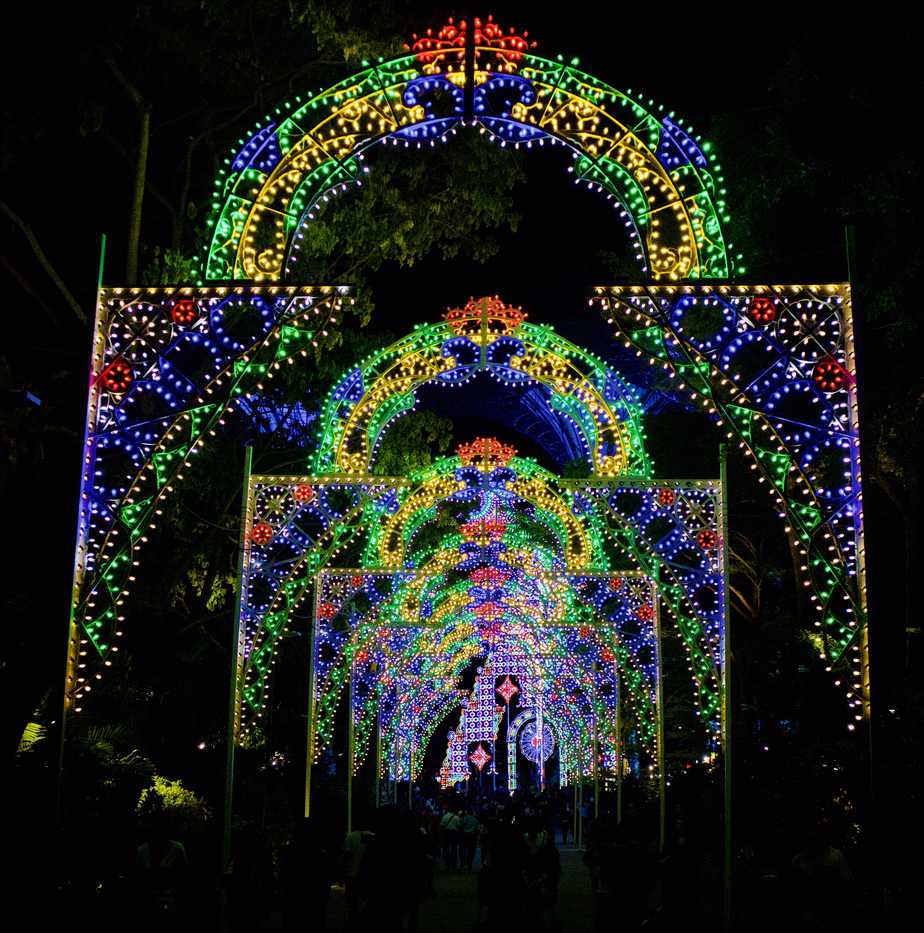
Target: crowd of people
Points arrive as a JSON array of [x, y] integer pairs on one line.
[[394, 858], [510, 840]]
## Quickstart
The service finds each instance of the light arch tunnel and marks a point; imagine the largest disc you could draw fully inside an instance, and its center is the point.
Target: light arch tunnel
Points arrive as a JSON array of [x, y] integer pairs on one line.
[[774, 365], [484, 554]]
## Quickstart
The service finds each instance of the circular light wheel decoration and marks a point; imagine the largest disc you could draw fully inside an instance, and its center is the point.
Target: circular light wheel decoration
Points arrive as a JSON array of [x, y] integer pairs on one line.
[[532, 747]]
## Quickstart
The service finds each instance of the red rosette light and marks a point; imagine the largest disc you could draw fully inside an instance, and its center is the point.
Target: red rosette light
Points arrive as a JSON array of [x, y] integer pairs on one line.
[[484, 529], [184, 311], [488, 313], [486, 452], [117, 376], [488, 576], [489, 611], [829, 375], [762, 310], [707, 539], [444, 52], [666, 497], [262, 533], [303, 492]]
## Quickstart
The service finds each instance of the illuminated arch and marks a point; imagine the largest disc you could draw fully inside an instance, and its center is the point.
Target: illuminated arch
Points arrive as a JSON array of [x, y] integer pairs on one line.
[[488, 338], [668, 188], [403, 676], [450, 597]]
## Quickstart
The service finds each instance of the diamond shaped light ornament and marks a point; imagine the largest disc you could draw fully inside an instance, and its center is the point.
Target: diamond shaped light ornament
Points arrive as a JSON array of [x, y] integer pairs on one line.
[[508, 689]]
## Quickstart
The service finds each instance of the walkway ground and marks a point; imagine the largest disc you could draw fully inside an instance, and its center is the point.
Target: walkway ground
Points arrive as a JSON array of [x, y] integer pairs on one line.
[[454, 907]]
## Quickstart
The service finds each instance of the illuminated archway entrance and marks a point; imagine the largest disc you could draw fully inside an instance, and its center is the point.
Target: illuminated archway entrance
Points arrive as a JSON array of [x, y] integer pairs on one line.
[[774, 365], [664, 180]]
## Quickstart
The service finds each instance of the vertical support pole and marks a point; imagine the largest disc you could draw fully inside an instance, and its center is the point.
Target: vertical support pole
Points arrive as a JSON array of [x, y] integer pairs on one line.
[[410, 781], [237, 662], [877, 820], [659, 679], [580, 822], [574, 834], [726, 712], [378, 749], [619, 752], [511, 777], [596, 770], [72, 658], [351, 754], [312, 699], [540, 729]]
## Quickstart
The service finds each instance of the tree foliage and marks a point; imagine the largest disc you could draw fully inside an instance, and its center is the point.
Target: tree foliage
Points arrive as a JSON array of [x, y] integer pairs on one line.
[[412, 443]]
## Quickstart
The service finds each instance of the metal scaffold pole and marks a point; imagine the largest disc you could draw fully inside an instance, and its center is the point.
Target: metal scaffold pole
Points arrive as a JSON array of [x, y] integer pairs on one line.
[[378, 750], [596, 771], [662, 763], [350, 756], [72, 657], [312, 688], [619, 753], [410, 782]]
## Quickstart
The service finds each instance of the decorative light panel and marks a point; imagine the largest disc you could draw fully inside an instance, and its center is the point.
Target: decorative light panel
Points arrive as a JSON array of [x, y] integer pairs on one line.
[[168, 364], [775, 367]]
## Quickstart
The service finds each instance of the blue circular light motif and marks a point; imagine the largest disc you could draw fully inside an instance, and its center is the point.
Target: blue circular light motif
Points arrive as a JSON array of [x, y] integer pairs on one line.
[[530, 745]]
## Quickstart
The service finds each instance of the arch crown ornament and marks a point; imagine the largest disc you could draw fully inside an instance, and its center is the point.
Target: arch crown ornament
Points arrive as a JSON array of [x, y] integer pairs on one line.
[[664, 182]]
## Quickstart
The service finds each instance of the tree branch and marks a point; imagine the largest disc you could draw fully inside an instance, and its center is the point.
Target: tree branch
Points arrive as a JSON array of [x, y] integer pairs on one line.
[[26, 286], [44, 261], [141, 169], [155, 192], [127, 85]]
